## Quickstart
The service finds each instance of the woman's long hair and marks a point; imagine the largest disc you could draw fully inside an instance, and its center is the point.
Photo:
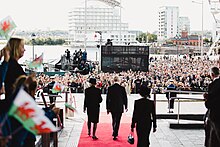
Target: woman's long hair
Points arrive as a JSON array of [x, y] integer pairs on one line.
[[13, 46]]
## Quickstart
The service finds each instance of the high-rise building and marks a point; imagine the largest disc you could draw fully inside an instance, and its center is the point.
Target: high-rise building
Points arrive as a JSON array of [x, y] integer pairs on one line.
[[184, 24], [94, 25], [168, 22]]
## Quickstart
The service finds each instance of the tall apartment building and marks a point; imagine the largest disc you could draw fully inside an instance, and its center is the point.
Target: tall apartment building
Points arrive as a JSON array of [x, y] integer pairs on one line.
[[184, 24], [101, 24], [168, 22]]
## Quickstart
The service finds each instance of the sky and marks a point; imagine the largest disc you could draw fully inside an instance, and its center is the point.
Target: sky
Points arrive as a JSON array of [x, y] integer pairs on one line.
[[139, 14]]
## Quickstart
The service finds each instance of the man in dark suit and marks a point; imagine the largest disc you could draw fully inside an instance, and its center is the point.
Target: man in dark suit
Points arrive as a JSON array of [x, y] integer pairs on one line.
[[115, 103], [144, 115], [212, 103], [92, 102]]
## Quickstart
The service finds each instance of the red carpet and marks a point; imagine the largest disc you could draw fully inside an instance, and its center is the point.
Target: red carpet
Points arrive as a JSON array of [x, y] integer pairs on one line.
[[104, 133]]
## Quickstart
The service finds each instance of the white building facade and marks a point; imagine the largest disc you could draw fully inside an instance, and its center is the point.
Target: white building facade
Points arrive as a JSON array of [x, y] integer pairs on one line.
[[94, 25], [168, 22], [184, 24]]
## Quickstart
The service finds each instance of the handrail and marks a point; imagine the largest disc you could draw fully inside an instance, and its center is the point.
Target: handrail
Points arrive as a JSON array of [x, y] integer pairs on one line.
[[189, 92], [192, 98], [181, 92], [186, 98]]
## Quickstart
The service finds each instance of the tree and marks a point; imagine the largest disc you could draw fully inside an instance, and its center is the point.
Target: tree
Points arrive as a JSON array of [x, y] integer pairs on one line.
[[147, 38], [47, 41], [152, 37]]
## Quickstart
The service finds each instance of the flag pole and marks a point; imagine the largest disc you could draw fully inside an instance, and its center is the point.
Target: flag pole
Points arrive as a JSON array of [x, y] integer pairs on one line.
[[3, 122], [17, 130]]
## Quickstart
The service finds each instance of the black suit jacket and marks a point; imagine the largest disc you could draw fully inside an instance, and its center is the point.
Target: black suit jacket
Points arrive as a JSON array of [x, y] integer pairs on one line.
[[213, 101], [116, 98], [144, 113], [92, 98]]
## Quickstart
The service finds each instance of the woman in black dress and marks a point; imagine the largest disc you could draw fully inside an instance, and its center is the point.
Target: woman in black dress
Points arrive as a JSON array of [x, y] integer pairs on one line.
[[143, 116], [92, 102]]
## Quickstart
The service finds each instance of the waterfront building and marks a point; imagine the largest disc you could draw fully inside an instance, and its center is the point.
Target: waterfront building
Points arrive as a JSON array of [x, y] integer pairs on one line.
[[101, 23], [168, 22], [184, 24], [186, 40]]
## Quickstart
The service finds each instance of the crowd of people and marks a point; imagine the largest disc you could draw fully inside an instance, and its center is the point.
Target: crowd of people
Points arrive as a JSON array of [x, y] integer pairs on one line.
[[181, 73], [186, 74]]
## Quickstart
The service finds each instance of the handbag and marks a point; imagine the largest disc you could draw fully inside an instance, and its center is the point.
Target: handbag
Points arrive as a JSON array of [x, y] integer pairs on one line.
[[130, 138]]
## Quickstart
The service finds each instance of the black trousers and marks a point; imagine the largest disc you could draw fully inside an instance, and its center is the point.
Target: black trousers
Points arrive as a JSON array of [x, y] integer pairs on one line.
[[143, 134], [214, 140], [171, 106], [116, 118]]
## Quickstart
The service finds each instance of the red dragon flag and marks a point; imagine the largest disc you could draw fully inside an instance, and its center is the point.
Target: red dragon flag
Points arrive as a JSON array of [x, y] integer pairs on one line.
[[57, 87], [36, 62], [32, 117], [6, 27]]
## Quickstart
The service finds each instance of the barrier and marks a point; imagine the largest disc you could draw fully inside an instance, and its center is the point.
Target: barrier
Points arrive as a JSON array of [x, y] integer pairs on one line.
[[191, 97], [180, 92], [184, 98]]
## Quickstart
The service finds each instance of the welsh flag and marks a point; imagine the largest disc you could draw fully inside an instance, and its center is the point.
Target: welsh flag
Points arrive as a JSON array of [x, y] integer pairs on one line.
[[6, 26], [36, 62], [57, 87], [32, 117], [70, 107]]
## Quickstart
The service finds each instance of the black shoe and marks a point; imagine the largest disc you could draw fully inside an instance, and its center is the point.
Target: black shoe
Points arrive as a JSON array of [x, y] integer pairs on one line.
[[94, 137], [89, 133], [170, 111], [115, 138]]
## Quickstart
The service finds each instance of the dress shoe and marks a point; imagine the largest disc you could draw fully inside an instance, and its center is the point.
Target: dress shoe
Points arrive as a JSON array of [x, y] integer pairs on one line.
[[89, 133], [94, 137], [115, 138]]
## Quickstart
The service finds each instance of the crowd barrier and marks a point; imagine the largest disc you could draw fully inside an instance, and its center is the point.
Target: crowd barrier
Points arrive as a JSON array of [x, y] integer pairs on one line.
[[189, 95]]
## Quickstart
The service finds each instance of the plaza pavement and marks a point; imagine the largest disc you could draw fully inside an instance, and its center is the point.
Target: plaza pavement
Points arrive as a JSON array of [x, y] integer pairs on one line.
[[164, 136]]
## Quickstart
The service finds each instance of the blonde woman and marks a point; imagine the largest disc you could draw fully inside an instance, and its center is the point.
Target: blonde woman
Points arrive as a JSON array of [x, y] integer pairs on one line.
[[16, 47]]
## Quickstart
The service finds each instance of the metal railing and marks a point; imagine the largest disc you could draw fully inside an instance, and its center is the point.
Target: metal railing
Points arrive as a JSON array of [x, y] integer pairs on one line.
[[184, 98]]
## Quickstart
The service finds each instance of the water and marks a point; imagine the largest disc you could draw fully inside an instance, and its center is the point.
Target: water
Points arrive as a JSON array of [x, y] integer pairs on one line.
[[51, 53]]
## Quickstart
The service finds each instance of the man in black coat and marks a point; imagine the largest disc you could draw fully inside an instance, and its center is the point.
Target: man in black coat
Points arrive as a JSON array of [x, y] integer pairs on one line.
[[144, 115], [92, 102], [115, 103], [212, 103]]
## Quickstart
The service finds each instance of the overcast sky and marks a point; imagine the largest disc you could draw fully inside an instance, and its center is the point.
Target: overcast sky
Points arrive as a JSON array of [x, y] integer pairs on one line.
[[139, 14]]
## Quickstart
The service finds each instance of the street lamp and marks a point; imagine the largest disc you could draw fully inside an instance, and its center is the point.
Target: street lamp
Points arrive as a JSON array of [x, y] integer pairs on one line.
[[33, 35], [201, 45], [100, 48]]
